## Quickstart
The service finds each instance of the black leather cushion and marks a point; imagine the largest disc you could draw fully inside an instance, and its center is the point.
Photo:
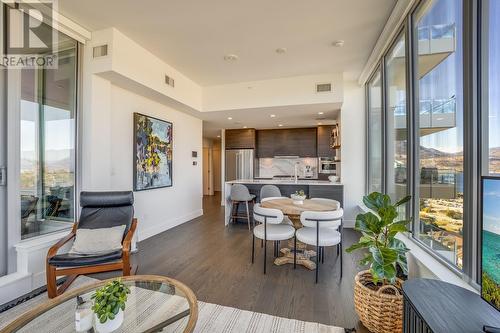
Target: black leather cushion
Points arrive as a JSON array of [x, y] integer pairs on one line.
[[106, 210], [106, 199], [78, 260]]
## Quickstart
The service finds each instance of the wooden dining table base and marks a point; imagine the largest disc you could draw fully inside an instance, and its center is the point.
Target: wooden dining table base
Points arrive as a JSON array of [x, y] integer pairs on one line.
[[303, 254]]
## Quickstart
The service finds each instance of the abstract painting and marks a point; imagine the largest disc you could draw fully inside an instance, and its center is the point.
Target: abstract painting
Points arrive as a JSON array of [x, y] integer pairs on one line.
[[152, 153]]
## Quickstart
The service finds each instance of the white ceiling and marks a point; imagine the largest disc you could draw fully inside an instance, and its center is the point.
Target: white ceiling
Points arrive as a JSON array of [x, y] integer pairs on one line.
[[194, 35], [288, 116]]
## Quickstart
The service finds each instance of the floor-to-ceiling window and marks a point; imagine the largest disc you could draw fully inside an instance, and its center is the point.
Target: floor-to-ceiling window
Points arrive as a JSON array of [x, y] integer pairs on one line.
[[438, 88], [397, 121], [491, 70], [45, 101], [375, 123]]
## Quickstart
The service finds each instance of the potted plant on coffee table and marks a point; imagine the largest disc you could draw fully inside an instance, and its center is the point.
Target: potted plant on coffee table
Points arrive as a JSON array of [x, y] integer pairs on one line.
[[109, 304], [377, 292]]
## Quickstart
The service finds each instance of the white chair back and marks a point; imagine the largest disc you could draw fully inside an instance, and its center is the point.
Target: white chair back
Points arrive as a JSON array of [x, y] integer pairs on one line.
[[270, 215], [328, 219], [271, 198], [329, 201]]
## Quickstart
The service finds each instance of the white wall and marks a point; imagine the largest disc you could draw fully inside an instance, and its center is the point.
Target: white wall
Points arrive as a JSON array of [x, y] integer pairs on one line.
[[110, 162], [160, 209], [352, 127], [298, 90], [128, 80]]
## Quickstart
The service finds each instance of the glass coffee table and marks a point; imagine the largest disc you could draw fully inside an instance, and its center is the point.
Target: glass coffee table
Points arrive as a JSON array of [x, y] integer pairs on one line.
[[155, 304]]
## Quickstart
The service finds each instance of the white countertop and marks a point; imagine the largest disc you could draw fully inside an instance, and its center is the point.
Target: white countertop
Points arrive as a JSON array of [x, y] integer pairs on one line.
[[283, 182]]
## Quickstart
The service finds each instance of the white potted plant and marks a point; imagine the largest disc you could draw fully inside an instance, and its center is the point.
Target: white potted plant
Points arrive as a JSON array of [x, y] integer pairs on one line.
[[298, 197], [108, 306]]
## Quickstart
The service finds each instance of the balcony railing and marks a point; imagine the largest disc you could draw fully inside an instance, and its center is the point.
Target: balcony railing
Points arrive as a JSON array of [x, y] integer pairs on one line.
[[437, 31], [442, 241], [430, 106]]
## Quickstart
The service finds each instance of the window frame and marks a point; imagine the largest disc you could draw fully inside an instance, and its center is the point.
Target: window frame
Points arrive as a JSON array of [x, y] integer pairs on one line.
[[14, 220], [402, 32], [378, 70], [473, 140]]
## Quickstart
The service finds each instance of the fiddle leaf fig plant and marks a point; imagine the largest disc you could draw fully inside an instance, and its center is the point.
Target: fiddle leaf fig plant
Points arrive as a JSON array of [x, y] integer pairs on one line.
[[109, 300], [379, 229]]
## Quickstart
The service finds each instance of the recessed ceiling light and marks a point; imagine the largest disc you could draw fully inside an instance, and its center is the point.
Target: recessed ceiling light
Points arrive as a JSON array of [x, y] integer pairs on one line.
[[218, 136], [338, 43], [281, 50], [320, 123], [321, 112], [245, 127], [230, 57], [272, 116], [280, 125], [229, 118]]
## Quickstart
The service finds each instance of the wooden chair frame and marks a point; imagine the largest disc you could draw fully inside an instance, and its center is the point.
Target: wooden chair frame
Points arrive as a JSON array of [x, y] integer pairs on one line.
[[72, 272]]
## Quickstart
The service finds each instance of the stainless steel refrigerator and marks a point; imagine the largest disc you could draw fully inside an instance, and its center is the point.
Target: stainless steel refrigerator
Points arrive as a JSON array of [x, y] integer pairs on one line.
[[239, 164]]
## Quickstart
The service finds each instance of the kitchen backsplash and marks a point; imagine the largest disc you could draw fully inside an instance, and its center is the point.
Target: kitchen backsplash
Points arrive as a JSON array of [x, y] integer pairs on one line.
[[270, 167]]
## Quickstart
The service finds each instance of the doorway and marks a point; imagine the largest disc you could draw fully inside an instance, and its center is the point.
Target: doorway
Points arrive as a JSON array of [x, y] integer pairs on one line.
[[208, 188], [211, 166]]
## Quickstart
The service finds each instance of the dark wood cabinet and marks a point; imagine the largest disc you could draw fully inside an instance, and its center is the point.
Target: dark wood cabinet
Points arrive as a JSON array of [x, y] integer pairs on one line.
[[240, 138], [287, 142], [432, 306], [335, 192], [324, 138]]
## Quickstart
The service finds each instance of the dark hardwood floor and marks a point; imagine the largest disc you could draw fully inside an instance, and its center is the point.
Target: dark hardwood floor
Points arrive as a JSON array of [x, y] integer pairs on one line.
[[215, 262]]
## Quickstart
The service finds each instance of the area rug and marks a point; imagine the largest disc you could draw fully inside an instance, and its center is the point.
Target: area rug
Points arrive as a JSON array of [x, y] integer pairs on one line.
[[212, 318]]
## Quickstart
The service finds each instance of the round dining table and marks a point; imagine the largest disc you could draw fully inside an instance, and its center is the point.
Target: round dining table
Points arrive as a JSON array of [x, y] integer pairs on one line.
[[293, 211]]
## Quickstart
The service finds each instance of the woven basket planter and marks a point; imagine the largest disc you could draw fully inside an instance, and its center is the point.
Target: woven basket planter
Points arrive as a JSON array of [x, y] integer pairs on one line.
[[380, 312]]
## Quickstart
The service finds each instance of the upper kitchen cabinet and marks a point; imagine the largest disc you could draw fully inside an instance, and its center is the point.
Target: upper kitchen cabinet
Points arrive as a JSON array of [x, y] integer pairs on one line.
[[287, 142], [328, 140], [240, 138]]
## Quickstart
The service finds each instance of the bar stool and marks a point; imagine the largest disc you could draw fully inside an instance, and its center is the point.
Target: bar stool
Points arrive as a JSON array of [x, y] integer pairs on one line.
[[239, 194], [269, 191]]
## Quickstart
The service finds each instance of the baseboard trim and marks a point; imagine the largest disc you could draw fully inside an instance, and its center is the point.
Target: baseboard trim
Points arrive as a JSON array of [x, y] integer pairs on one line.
[[349, 223], [155, 230]]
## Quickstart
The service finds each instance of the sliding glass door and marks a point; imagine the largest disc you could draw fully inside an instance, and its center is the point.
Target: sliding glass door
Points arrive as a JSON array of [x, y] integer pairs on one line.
[[439, 91], [3, 174], [42, 109]]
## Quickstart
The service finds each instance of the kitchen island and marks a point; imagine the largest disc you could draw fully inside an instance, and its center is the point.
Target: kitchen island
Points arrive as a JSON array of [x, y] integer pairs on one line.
[[312, 188]]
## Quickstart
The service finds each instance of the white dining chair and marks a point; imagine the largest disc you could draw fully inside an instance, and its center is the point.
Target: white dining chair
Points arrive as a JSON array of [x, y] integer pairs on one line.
[[270, 229], [286, 219], [328, 201], [321, 229]]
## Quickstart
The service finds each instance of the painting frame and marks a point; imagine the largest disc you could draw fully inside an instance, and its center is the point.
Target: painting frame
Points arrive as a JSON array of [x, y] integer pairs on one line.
[[136, 177]]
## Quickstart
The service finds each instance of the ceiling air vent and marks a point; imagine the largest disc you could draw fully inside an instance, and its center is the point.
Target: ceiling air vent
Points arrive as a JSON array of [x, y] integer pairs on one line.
[[323, 87], [100, 51], [170, 81]]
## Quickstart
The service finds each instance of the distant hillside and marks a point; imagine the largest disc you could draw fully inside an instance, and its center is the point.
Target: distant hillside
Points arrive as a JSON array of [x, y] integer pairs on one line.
[[54, 160]]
